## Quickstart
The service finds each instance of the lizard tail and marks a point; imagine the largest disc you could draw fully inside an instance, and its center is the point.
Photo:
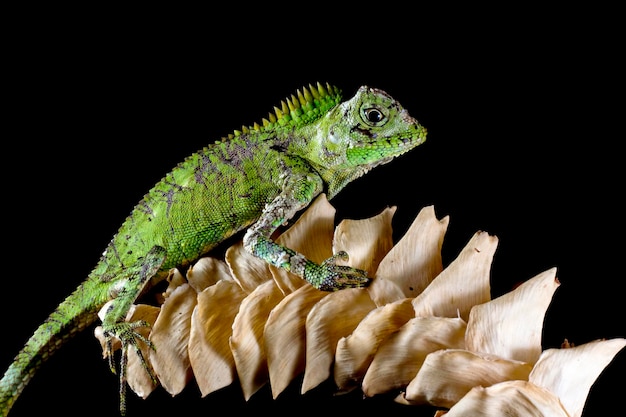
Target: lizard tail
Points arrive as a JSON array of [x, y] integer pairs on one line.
[[68, 319]]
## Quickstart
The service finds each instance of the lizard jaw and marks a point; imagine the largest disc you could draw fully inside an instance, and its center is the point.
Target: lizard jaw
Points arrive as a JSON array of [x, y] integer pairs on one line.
[[382, 150]]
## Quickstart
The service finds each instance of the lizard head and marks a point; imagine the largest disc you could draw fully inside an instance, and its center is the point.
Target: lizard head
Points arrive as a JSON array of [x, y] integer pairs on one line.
[[368, 130], [340, 140]]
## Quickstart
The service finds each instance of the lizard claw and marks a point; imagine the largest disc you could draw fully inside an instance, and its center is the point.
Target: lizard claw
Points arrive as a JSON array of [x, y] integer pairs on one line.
[[333, 277], [128, 335], [341, 255]]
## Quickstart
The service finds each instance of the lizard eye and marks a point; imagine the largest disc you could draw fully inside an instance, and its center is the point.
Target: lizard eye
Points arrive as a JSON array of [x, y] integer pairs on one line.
[[373, 116]]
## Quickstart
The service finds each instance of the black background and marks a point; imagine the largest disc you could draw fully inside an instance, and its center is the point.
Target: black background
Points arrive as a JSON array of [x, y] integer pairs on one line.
[[524, 110]]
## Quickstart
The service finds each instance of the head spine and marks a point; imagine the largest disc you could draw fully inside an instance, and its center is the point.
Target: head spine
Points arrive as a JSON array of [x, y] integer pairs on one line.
[[302, 107]]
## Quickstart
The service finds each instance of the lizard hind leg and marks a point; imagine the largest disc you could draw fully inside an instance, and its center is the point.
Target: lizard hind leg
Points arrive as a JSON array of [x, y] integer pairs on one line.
[[114, 325]]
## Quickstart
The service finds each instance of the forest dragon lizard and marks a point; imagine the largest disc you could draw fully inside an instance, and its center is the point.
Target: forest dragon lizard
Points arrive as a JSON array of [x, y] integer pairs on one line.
[[257, 178]]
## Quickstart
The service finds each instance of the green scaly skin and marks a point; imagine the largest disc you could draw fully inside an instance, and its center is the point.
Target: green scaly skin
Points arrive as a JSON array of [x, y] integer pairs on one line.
[[257, 179]]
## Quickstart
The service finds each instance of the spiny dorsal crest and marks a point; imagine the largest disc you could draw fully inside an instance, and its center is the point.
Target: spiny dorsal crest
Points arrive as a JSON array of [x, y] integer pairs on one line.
[[306, 105]]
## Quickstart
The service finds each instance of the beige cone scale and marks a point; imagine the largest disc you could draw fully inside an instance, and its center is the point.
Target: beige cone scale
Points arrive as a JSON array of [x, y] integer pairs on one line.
[[431, 335]]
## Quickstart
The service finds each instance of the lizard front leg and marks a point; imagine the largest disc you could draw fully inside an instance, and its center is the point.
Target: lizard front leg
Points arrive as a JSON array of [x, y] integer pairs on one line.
[[114, 324], [327, 276]]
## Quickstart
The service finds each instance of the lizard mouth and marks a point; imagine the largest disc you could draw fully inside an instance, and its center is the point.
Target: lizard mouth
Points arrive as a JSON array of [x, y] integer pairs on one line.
[[382, 150]]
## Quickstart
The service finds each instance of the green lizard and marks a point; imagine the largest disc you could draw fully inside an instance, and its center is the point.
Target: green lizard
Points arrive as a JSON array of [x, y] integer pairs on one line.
[[257, 178]]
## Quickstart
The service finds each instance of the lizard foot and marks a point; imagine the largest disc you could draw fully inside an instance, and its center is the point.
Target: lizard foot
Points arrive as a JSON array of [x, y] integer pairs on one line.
[[128, 335], [332, 277]]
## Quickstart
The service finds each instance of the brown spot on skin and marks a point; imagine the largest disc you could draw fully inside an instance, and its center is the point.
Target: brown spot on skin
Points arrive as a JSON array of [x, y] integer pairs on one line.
[[203, 168], [362, 130], [144, 207]]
